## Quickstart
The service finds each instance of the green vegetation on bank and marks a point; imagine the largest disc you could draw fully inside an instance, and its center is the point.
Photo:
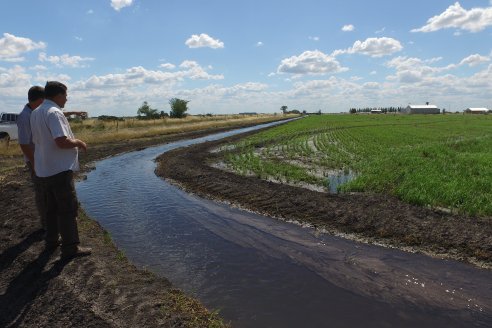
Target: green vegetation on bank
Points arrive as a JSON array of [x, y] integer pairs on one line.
[[436, 160]]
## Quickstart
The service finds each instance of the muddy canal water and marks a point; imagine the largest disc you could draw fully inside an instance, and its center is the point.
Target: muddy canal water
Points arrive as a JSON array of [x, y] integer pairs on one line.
[[262, 272]]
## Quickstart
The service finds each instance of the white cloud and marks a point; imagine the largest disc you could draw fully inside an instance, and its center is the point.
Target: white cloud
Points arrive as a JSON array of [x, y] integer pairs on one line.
[[474, 60], [78, 38], [375, 47], [371, 85], [138, 76], [203, 40], [42, 77], [64, 60], [39, 68], [12, 47], [167, 66], [310, 62], [189, 64], [348, 28], [13, 78], [314, 38], [259, 44], [90, 12], [381, 30], [455, 16], [120, 4]]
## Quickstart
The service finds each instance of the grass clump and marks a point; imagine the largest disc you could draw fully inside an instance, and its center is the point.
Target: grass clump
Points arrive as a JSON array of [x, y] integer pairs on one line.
[[192, 313]]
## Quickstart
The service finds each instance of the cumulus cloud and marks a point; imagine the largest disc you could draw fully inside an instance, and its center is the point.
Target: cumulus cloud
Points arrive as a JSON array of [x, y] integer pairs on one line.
[[120, 4], [64, 60], [455, 16], [414, 70], [371, 85], [12, 47], [137, 76], [259, 44], [310, 62], [474, 60], [376, 47], [167, 66], [203, 40], [14, 77], [348, 28]]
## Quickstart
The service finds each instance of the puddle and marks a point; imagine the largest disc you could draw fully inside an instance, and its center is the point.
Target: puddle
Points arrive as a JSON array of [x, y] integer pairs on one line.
[[337, 179]]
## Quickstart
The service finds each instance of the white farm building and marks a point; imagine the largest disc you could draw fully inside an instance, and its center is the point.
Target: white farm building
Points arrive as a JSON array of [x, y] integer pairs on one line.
[[475, 110], [421, 109]]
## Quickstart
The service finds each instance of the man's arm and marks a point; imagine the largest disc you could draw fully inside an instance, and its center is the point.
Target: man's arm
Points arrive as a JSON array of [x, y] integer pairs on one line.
[[67, 143], [28, 151]]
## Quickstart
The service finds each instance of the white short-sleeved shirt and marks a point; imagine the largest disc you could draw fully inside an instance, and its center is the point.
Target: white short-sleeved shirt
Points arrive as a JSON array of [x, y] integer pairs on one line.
[[24, 128], [47, 124]]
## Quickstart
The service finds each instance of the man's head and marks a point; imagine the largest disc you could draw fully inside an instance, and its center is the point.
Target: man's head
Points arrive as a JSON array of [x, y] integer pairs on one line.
[[35, 95], [56, 92]]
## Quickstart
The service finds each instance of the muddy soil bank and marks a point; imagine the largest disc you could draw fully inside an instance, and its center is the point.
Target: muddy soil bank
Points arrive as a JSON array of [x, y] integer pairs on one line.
[[101, 290], [374, 218]]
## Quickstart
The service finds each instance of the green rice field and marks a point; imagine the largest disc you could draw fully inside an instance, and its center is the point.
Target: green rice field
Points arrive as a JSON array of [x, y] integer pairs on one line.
[[432, 160]]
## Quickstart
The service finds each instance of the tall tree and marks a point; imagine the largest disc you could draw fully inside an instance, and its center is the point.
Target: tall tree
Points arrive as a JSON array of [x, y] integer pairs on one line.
[[284, 109], [178, 107], [147, 112]]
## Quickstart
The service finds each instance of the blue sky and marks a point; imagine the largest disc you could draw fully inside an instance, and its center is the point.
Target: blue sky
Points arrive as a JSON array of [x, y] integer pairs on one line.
[[228, 56]]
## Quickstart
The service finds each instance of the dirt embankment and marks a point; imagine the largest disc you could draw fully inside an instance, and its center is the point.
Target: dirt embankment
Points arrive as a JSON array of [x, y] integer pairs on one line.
[[367, 217], [101, 290]]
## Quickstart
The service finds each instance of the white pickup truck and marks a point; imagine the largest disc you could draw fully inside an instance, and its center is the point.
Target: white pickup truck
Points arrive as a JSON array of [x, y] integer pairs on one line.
[[8, 126]]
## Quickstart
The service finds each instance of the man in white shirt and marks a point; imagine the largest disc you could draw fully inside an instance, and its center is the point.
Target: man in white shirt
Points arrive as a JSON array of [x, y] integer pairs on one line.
[[55, 160], [35, 97]]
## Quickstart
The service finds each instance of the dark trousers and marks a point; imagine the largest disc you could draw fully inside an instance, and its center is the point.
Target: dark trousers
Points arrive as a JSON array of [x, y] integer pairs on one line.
[[38, 196], [60, 207]]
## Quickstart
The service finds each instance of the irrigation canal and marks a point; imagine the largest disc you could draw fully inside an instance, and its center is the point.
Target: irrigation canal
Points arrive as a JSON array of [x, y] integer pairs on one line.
[[262, 272]]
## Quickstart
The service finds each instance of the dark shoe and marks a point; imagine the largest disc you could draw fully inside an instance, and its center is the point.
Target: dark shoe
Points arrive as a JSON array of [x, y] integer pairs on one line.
[[75, 252], [51, 246]]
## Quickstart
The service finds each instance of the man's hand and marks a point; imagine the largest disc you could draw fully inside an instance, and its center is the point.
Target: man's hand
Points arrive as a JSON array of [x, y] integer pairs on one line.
[[67, 143]]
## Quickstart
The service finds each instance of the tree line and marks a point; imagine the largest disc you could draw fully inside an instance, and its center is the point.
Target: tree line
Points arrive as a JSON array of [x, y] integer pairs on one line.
[[179, 107], [382, 109]]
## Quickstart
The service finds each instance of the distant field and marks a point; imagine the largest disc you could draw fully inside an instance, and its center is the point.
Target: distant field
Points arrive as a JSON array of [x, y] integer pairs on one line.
[[98, 132], [437, 160]]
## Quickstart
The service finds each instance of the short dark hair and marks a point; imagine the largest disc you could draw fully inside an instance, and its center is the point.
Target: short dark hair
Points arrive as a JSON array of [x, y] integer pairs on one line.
[[54, 88], [35, 93]]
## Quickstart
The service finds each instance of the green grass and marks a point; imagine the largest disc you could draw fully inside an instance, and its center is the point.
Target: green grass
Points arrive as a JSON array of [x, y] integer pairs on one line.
[[436, 160]]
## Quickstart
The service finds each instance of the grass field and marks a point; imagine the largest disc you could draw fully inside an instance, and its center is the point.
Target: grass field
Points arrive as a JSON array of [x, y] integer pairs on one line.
[[436, 160]]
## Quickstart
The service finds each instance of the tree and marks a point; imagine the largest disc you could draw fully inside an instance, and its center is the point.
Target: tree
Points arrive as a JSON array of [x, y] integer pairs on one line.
[[178, 107], [284, 109], [147, 112]]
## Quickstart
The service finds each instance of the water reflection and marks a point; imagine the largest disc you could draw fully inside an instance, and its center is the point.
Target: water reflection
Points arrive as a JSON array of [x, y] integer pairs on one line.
[[262, 272], [336, 179]]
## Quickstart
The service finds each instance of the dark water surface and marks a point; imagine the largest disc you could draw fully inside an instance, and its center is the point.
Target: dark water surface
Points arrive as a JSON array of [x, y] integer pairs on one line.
[[262, 272]]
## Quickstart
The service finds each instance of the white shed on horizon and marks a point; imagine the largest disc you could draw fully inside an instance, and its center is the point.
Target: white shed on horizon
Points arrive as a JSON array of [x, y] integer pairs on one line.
[[476, 110], [421, 109]]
